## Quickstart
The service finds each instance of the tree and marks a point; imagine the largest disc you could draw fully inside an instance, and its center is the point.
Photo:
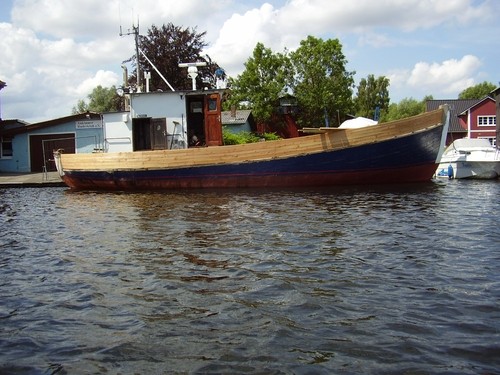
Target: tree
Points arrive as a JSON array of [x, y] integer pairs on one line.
[[168, 46], [315, 74], [405, 108], [101, 99], [322, 85], [261, 84], [372, 94], [478, 91]]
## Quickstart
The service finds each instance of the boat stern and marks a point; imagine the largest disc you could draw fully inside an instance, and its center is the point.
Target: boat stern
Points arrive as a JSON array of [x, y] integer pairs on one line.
[[444, 134]]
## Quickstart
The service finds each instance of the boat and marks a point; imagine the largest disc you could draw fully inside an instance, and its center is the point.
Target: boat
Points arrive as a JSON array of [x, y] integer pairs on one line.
[[402, 151], [468, 158]]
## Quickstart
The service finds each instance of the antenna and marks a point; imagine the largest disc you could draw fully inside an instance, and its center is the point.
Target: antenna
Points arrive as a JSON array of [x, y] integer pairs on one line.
[[135, 32], [120, 16]]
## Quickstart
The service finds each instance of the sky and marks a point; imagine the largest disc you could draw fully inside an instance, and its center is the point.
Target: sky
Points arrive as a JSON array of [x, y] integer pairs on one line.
[[54, 52]]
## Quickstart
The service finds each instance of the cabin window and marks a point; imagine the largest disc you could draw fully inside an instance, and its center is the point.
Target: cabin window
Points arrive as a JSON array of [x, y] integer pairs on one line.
[[486, 120], [6, 148], [212, 104]]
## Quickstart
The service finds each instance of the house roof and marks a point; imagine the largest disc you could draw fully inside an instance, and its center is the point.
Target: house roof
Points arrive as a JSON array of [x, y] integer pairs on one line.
[[476, 104], [11, 124], [47, 124], [241, 117], [457, 106]]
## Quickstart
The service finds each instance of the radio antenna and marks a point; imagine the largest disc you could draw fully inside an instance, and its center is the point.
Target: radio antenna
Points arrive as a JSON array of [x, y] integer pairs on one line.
[[135, 32]]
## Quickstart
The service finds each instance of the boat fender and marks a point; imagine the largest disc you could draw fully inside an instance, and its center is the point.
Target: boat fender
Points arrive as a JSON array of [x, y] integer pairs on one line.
[[450, 171]]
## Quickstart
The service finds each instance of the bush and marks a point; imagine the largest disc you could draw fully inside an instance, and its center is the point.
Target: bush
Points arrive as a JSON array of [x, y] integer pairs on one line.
[[246, 137], [270, 136]]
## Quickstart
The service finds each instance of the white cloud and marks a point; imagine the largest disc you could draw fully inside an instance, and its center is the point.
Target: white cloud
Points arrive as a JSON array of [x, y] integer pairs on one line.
[[17, 46], [102, 78], [67, 18], [56, 51], [286, 26], [363, 15], [233, 47], [447, 77]]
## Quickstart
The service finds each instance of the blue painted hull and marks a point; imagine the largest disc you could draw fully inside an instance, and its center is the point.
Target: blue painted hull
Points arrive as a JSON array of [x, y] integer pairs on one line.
[[407, 159]]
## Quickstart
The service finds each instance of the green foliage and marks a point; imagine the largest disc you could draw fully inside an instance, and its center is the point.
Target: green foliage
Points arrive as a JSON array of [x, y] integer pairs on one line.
[[262, 83], [270, 136], [231, 138], [101, 99], [405, 108], [321, 83], [238, 138], [80, 107], [372, 93], [315, 74], [478, 91]]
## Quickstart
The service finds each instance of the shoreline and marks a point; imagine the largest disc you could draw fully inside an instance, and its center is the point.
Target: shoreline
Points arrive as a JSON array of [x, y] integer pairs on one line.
[[23, 180]]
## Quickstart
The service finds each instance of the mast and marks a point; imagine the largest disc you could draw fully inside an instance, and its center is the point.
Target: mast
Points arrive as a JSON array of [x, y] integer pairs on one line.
[[135, 32]]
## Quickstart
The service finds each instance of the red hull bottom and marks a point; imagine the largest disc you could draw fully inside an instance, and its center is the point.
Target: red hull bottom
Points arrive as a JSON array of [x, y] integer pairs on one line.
[[412, 174]]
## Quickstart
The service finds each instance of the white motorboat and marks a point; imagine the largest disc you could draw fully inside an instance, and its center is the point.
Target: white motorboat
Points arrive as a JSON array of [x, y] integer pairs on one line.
[[470, 158]]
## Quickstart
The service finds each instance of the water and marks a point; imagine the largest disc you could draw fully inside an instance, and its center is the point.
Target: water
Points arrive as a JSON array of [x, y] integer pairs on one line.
[[354, 280]]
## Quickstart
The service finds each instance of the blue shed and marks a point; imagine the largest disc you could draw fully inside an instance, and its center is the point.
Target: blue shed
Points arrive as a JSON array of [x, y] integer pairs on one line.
[[237, 121], [28, 148]]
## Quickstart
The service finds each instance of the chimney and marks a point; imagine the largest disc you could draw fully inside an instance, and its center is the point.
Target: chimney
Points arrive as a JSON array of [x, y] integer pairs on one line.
[[233, 111]]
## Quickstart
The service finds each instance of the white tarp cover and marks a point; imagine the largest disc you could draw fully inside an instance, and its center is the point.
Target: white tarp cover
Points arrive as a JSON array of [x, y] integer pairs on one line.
[[358, 122]]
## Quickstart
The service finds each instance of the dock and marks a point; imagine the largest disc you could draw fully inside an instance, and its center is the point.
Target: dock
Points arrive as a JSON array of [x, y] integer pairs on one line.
[[23, 180]]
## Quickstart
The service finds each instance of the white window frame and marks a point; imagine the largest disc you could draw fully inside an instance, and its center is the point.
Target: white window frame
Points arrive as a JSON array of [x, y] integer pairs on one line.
[[486, 120], [4, 140]]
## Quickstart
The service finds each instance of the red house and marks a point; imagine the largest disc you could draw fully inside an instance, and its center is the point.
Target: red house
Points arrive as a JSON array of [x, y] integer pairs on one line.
[[470, 118], [480, 120]]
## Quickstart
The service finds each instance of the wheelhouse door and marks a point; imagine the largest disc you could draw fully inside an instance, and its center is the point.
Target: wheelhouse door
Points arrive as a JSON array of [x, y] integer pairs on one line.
[[213, 125], [159, 134]]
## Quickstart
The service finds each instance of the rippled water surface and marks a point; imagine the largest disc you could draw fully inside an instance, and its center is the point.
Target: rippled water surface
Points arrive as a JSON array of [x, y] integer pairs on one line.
[[379, 280]]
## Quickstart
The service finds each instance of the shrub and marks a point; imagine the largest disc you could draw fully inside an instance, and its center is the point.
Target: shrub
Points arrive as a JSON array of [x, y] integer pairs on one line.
[[246, 137], [270, 136]]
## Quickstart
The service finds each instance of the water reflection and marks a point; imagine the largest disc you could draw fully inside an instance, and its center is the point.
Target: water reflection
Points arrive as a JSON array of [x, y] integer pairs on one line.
[[356, 279]]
